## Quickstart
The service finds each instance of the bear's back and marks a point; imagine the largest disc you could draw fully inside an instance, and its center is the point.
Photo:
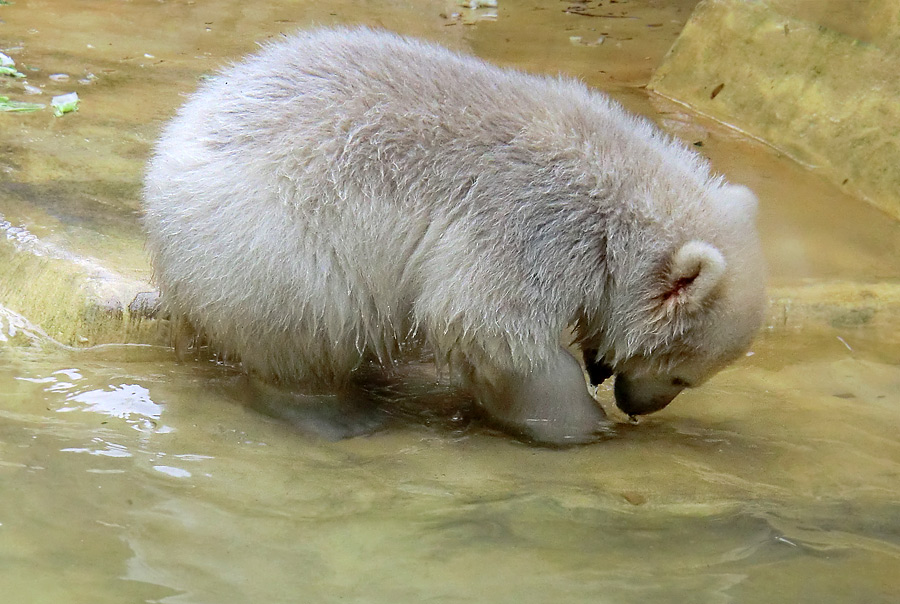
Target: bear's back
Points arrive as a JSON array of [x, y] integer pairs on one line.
[[344, 189]]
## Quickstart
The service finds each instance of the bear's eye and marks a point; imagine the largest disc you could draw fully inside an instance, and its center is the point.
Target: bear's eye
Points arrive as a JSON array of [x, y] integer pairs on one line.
[[681, 383]]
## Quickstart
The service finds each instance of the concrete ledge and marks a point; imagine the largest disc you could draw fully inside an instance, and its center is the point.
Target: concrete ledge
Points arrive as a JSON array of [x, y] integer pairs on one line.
[[874, 308], [70, 299], [786, 72], [81, 306]]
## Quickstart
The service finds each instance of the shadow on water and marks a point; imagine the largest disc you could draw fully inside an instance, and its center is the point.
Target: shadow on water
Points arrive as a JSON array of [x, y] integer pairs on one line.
[[375, 401]]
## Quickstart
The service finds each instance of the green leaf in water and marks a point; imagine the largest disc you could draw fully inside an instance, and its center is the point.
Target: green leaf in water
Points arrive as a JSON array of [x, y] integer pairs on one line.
[[64, 103], [11, 71], [18, 106]]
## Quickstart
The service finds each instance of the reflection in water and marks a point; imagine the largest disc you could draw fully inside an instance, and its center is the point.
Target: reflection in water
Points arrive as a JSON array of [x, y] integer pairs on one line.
[[173, 472], [108, 450], [127, 401], [130, 402]]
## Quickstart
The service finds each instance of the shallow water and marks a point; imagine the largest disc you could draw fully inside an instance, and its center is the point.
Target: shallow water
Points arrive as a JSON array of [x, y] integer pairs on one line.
[[128, 477]]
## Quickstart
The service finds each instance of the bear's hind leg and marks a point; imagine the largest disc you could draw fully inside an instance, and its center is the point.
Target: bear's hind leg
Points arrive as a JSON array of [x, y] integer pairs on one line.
[[330, 414], [550, 405]]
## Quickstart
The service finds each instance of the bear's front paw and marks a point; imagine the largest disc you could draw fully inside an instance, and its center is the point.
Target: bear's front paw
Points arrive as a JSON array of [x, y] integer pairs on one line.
[[568, 431], [550, 405]]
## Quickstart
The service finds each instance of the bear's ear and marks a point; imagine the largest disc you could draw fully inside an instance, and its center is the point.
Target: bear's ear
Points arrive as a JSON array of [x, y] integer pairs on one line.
[[740, 202], [694, 271]]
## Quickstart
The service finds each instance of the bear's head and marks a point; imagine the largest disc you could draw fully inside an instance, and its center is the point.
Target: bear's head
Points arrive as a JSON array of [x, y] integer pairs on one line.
[[680, 307]]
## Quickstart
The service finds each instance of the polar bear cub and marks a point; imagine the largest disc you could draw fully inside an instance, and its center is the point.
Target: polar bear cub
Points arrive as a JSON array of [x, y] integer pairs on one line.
[[348, 194]]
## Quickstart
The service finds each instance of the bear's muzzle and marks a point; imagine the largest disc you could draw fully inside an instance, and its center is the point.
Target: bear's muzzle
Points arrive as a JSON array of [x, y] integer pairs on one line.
[[641, 396]]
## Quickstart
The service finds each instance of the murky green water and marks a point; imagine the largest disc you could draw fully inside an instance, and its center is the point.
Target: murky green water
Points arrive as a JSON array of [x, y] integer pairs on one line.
[[128, 477]]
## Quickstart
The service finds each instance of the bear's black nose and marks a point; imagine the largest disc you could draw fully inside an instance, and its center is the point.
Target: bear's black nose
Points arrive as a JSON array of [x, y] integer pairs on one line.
[[641, 396]]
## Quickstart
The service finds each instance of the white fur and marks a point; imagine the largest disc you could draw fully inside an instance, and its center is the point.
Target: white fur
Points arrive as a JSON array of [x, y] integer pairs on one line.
[[703, 266], [350, 192]]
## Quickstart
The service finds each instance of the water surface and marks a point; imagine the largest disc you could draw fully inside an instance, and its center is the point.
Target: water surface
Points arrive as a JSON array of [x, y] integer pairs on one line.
[[128, 477]]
